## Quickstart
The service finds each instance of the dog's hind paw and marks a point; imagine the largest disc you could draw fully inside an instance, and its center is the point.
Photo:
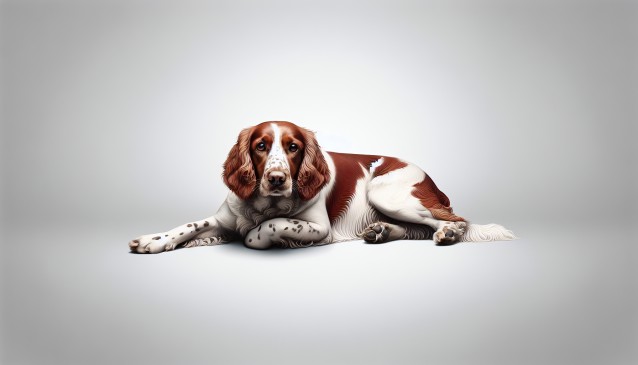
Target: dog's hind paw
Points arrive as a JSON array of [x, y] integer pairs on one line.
[[378, 232]]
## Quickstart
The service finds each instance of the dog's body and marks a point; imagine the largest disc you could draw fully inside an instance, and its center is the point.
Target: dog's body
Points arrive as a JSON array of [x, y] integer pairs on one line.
[[285, 190]]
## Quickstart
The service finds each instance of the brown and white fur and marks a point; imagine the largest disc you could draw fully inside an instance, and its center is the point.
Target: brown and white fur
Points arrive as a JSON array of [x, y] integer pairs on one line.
[[287, 191]]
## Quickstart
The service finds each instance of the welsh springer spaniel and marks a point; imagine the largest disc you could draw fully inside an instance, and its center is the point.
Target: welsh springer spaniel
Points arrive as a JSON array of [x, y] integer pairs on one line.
[[285, 190]]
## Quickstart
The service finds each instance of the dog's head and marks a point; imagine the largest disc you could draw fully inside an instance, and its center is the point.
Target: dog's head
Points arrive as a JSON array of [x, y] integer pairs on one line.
[[276, 159]]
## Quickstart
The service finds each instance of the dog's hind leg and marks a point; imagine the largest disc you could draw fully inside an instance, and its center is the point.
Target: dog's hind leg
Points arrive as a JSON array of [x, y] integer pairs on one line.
[[407, 194], [381, 232]]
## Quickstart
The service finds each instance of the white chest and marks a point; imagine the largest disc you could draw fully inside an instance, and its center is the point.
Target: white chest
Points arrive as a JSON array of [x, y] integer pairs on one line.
[[251, 213]]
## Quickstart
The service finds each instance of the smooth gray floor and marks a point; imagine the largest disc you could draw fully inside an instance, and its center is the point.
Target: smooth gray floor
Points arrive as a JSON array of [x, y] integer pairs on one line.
[[552, 297]]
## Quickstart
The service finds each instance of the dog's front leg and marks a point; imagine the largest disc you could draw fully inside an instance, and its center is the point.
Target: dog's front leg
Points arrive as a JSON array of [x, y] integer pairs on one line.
[[197, 233], [206, 232], [287, 232]]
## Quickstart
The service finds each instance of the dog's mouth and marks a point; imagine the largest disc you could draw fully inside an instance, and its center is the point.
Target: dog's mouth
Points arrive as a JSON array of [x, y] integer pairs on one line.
[[285, 191]]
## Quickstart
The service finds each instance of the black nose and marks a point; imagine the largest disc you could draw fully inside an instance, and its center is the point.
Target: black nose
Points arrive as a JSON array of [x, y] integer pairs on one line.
[[276, 178]]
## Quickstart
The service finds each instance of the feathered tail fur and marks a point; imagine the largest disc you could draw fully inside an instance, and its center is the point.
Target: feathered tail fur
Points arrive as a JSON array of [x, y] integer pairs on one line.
[[487, 232]]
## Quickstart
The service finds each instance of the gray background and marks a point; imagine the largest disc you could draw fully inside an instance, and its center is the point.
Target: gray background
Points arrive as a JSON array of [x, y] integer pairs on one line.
[[117, 117]]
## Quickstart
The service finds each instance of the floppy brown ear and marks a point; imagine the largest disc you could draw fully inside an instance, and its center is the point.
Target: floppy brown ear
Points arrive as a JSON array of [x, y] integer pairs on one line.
[[239, 173], [314, 173]]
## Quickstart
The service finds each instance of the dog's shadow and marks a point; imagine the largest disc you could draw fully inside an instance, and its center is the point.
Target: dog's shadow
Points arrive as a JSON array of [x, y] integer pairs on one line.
[[238, 247], [275, 251]]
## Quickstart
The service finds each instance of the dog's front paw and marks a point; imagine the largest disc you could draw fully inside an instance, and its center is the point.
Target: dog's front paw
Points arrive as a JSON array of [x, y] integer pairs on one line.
[[450, 233], [152, 243]]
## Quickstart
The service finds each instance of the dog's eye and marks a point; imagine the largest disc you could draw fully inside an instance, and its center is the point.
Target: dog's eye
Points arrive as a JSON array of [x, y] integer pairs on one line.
[[261, 146], [293, 147]]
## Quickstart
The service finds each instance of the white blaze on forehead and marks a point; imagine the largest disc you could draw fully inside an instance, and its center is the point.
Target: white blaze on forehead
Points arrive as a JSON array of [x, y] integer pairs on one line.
[[276, 157]]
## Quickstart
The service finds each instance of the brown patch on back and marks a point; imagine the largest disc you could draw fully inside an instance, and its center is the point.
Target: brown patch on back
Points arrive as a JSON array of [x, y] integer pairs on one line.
[[348, 172], [389, 164], [435, 200]]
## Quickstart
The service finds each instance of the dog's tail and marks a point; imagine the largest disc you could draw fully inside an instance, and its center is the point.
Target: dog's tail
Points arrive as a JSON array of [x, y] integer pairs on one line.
[[487, 232]]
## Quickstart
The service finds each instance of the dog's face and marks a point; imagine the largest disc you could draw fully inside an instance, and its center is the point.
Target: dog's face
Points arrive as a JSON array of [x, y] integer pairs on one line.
[[276, 159], [276, 151]]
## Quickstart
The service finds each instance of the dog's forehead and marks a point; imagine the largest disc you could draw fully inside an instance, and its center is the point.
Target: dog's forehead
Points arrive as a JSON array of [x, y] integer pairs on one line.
[[289, 130], [262, 128], [281, 128], [262, 131]]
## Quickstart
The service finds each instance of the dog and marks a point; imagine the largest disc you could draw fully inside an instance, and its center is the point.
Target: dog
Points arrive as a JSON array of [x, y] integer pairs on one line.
[[287, 191]]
